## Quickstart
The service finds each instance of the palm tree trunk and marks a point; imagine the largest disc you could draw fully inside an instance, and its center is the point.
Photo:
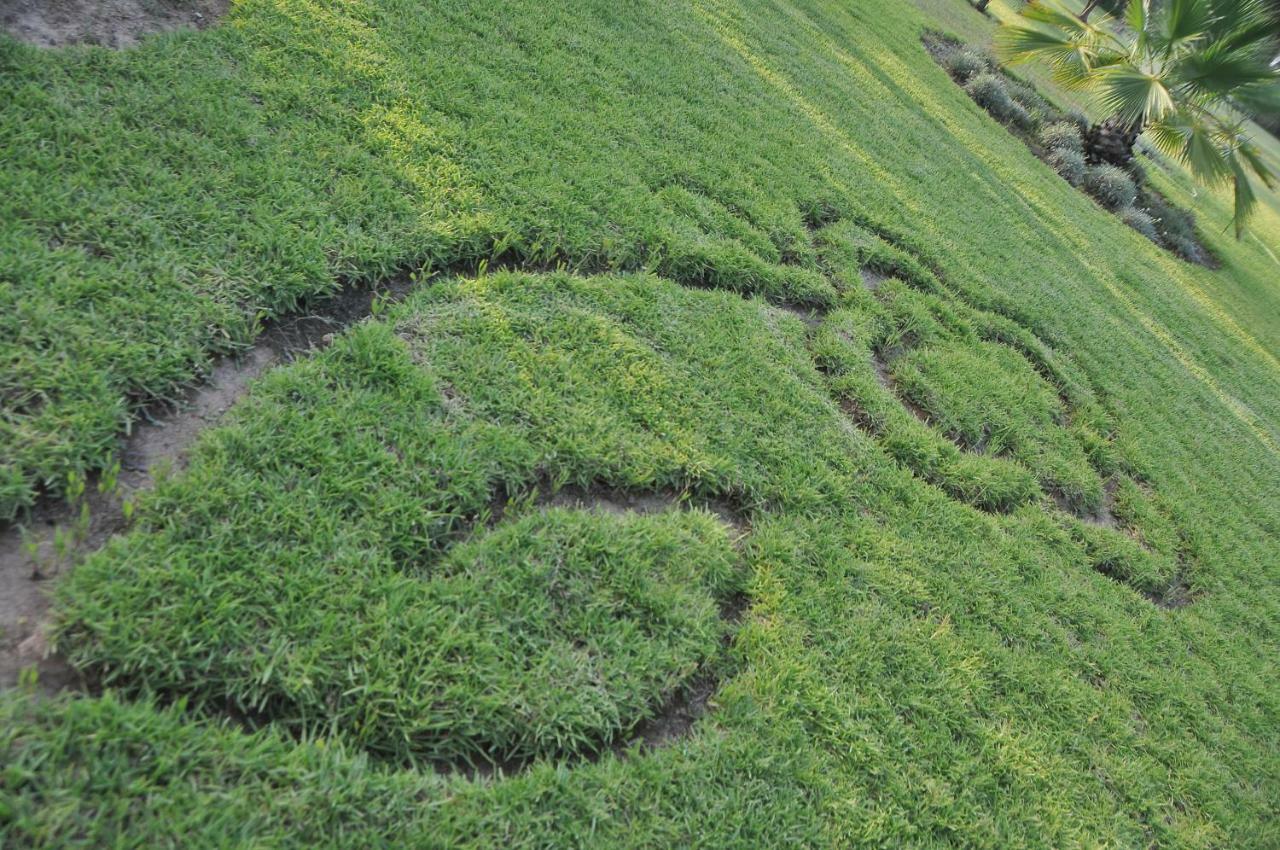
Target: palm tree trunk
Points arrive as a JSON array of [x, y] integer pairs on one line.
[[1111, 142]]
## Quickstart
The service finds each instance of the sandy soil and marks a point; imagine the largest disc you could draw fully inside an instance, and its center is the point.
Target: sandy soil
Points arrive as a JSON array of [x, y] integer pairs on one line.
[[109, 23]]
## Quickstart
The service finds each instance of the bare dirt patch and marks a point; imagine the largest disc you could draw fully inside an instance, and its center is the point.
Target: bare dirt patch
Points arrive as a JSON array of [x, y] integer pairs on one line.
[[617, 501], [109, 23], [872, 279], [1102, 516], [884, 377], [31, 557], [811, 317], [1177, 595]]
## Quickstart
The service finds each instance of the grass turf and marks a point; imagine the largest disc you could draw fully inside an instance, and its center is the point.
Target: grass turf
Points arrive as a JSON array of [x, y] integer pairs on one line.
[[911, 671]]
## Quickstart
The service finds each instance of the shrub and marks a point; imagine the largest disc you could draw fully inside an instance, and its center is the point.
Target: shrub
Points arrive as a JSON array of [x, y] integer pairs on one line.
[[1171, 220], [1136, 171], [1026, 95], [1187, 247], [1179, 223], [963, 65], [988, 91], [1140, 221], [1075, 116], [1052, 115], [1064, 135], [1111, 186], [1068, 163], [1023, 118]]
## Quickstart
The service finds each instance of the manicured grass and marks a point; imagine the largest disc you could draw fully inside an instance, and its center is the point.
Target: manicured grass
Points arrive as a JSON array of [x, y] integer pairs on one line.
[[896, 641], [356, 582], [296, 571]]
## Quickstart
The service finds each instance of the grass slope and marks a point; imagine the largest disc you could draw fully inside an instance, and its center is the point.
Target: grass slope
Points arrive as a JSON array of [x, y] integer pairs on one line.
[[912, 669]]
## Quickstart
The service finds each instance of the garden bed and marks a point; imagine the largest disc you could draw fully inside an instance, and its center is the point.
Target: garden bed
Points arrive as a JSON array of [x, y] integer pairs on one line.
[[1058, 136]]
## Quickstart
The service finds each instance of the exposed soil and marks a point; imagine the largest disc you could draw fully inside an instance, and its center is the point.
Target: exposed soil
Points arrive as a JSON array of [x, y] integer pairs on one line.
[[872, 279], [616, 501], [1102, 517], [108, 23], [1176, 595], [810, 316], [159, 442], [676, 718], [885, 378]]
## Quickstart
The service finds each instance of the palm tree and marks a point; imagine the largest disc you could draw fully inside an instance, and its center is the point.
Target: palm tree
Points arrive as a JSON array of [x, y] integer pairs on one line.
[[1188, 74]]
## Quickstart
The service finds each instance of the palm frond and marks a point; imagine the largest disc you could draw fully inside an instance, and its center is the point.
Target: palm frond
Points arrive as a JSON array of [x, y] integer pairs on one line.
[[1186, 73], [1170, 136], [1072, 60], [1183, 21], [1136, 97], [1240, 21], [1135, 15], [1022, 41], [1218, 71], [1204, 156], [1258, 35], [1257, 98], [1049, 31], [1253, 157], [1058, 16], [1245, 200]]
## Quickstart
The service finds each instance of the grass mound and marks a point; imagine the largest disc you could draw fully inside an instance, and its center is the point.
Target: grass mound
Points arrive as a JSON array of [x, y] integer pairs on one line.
[[308, 569], [915, 364], [987, 398], [551, 635], [98, 771], [1135, 539], [976, 404]]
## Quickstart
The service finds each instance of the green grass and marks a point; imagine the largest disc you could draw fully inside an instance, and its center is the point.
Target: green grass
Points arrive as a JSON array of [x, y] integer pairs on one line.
[[308, 584], [987, 398], [329, 599]]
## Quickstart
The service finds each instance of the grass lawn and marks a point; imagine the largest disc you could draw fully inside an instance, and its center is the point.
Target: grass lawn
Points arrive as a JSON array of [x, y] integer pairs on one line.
[[942, 507]]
